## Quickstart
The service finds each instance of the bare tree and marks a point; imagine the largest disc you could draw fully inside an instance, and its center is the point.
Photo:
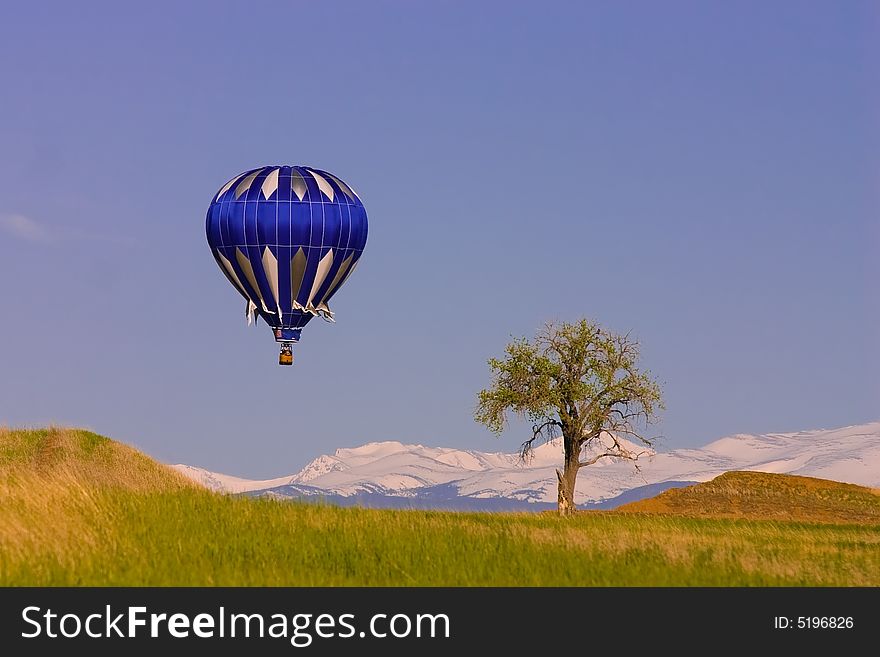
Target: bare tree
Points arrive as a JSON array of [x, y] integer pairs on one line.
[[579, 380]]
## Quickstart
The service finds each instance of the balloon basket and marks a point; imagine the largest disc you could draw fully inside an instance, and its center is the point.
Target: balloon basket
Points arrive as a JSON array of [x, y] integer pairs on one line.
[[285, 357]]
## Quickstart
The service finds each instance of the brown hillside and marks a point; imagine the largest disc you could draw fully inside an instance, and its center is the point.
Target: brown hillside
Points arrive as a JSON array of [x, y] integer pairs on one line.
[[53, 489], [41, 457], [759, 495]]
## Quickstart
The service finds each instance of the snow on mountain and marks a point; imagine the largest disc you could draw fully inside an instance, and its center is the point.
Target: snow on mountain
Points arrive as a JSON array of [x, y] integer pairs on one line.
[[227, 483], [850, 454]]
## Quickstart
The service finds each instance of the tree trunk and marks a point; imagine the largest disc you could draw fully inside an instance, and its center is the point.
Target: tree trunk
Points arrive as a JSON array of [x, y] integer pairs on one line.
[[567, 479]]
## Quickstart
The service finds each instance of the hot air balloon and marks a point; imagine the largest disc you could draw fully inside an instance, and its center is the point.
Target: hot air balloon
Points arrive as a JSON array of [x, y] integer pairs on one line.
[[287, 238]]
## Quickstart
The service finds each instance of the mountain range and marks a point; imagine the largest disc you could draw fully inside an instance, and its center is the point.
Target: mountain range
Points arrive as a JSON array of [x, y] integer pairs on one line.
[[394, 474]]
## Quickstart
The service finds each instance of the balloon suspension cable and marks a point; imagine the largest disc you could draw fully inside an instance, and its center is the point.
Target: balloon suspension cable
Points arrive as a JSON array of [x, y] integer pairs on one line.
[[285, 357]]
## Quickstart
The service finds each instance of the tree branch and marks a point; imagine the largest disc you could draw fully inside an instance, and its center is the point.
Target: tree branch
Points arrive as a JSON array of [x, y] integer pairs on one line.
[[591, 461], [623, 454], [545, 430]]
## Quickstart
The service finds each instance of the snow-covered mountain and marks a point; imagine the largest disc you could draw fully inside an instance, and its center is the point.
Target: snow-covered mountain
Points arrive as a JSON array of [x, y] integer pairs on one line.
[[438, 476]]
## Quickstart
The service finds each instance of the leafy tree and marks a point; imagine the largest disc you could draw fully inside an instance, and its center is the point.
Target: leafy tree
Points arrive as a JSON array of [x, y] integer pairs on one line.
[[579, 380]]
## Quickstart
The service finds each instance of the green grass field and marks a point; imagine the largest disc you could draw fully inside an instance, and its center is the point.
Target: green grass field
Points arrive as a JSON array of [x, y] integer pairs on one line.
[[79, 509]]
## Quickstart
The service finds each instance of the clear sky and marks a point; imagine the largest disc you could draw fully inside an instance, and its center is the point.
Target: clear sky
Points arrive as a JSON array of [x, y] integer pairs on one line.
[[704, 174]]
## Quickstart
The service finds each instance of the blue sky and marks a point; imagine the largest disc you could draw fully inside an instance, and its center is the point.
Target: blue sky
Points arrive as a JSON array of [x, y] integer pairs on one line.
[[704, 174]]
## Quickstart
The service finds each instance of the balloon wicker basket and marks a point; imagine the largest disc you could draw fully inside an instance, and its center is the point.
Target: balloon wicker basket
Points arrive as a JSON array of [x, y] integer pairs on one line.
[[285, 357]]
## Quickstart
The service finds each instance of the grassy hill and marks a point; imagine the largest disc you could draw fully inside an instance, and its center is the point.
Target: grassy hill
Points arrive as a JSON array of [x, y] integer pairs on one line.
[[763, 496], [77, 508]]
